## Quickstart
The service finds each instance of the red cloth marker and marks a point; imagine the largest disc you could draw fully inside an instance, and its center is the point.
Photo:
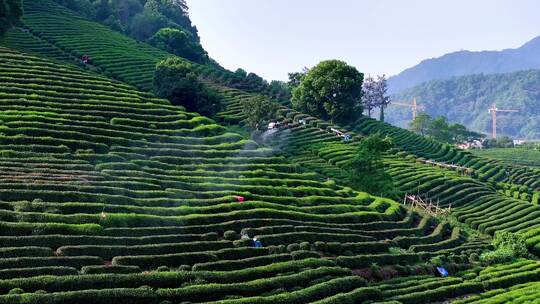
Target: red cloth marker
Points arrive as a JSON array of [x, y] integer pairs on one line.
[[239, 198]]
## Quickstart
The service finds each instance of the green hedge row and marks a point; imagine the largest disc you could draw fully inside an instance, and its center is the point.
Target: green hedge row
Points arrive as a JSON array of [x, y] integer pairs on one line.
[[367, 260], [75, 282], [229, 265], [10, 274], [173, 260], [107, 252]]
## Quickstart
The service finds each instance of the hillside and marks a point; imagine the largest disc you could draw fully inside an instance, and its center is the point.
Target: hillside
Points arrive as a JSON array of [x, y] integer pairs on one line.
[[99, 178], [105, 192], [109, 194], [466, 100], [466, 63]]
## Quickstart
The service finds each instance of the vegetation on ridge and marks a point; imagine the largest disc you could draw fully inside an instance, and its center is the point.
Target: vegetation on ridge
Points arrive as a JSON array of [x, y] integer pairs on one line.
[[176, 80], [163, 23], [11, 12], [440, 130]]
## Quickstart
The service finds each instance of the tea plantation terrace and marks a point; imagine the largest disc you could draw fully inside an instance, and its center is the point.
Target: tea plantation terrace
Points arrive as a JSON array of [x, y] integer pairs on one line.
[[109, 194], [481, 205], [101, 183]]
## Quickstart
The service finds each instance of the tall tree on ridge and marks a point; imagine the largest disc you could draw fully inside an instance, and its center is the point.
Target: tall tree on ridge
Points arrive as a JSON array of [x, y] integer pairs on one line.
[[381, 93], [331, 90], [369, 98]]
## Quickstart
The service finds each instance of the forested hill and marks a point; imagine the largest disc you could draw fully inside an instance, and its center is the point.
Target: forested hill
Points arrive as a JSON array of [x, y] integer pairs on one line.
[[468, 63], [466, 99], [164, 24]]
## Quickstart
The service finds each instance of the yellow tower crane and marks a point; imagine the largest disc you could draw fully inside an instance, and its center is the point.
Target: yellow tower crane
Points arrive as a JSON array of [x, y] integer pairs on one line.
[[494, 110], [415, 107]]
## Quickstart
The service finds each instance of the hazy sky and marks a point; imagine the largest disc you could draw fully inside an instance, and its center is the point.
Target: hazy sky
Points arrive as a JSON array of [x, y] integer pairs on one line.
[[274, 37]]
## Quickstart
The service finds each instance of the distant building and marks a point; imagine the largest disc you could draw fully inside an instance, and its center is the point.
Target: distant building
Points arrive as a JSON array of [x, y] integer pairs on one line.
[[518, 142], [475, 144]]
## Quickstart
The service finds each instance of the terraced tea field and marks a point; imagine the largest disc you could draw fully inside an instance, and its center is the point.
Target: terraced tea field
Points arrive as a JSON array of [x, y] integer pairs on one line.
[[519, 156], [105, 189], [109, 194], [480, 205], [125, 58]]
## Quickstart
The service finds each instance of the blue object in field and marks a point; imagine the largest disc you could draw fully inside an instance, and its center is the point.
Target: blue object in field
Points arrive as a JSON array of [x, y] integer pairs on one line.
[[442, 271], [257, 244]]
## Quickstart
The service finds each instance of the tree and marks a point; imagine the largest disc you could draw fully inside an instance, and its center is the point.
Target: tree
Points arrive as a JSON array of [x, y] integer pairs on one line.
[[366, 170], [296, 77], [331, 90], [501, 142], [369, 97], [440, 130], [127, 9], [460, 134], [279, 89], [146, 24], [259, 111], [179, 42], [381, 92], [11, 12], [103, 11], [241, 73], [175, 79], [177, 11], [375, 95], [421, 124]]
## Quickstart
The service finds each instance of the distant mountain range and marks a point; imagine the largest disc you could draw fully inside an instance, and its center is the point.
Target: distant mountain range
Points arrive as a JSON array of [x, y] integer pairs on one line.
[[463, 85], [466, 100], [466, 63]]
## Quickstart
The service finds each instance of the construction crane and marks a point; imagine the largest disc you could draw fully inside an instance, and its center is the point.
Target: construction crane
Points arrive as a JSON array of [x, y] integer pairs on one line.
[[414, 106], [493, 110]]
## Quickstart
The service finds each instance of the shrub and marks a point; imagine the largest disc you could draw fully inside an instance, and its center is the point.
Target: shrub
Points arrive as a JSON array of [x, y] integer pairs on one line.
[[508, 247], [305, 246], [320, 246], [231, 235], [293, 247], [162, 269], [16, 291], [502, 255], [512, 241], [437, 260], [184, 268]]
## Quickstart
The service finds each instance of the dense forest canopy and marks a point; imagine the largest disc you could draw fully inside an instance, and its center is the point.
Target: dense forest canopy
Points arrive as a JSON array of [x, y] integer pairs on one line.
[[163, 23], [10, 14]]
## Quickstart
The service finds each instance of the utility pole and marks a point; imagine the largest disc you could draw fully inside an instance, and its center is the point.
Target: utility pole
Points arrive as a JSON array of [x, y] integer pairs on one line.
[[493, 110]]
